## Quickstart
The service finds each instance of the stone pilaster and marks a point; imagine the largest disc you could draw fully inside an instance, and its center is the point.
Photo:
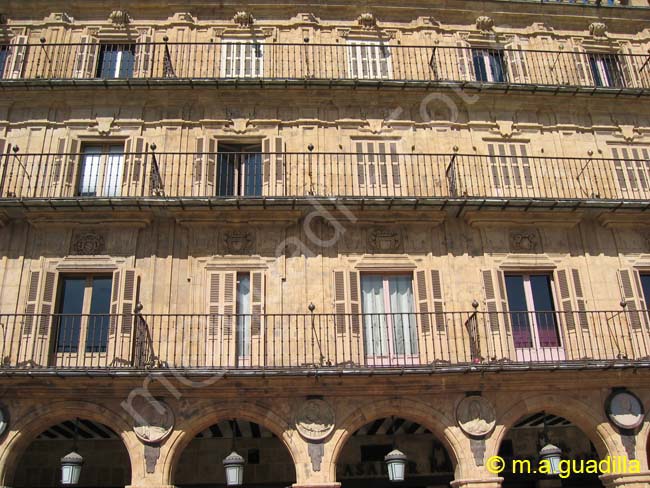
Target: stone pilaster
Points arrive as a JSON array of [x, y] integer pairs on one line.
[[640, 480]]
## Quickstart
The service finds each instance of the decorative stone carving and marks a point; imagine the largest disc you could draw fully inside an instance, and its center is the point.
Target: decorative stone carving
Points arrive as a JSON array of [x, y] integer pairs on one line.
[[87, 244], [315, 420], [54, 18], [104, 125], [153, 420], [4, 420], [243, 19], [238, 242], [316, 452], [624, 410], [628, 132], [597, 29], [367, 21], [484, 23], [384, 240], [478, 449], [119, 17], [523, 241], [476, 416], [151, 456]]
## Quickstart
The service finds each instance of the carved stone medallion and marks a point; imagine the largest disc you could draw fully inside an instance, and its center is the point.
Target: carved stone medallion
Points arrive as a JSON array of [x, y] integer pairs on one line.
[[315, 420], [87, 243], [238, 242], [476, 416], [624, 409], [523, 241], [384, 240], [153, 420]]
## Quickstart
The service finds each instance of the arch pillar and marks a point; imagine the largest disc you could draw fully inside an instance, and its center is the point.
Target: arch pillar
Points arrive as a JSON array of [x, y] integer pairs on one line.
[[640, 480], [488, 482]]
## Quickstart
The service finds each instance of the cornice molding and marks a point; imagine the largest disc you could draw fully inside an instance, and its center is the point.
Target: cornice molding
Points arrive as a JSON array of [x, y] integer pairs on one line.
[[480, 219]]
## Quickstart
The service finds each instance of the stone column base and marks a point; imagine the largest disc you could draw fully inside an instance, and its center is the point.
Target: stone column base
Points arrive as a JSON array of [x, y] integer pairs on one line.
[[478, 483], [318, 485], [641, 480]]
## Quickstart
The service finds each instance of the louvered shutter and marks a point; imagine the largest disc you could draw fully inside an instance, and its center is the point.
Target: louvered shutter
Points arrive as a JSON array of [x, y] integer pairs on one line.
[[525, 162], [631, 67], [15, 62], [134, 168], [382, 164], [339, 302], [58, 164], [87, 51], [394, 164], [515, 59], [464, 62], [565, 299], [355, 303], [582, 67], [115, 303], [205, 169], [279, 161], [581, 303], [438, 304], [629, 283], [228, 305], [32, 302], [197, 168], [128, 301], [495, 299], [214, 304], [257, 302], [222, 293], [266, 164], [618, 168], [211, 165], [73, 157], [47, 304], [423, 302], [143, 57], [494, 167]]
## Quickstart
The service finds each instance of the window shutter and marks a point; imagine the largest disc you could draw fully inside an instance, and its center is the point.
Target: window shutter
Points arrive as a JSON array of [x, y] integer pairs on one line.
[[279, 159], [143, 57], [565, 299], [629, 283], [355, 304], [214, 302], [15, 63], [47, 304], [128, 301], [339, 301], [438, 305], [583, 70], [495, 299], [134, 168], [618, 167], [525, 163], [394, 162], [32, 301], [515, 59], [73, 156], [580, 299], [465, 64], [85, 65], [361, 165], [257, 301], [211, 167], [228, 303], [266, 163], [630, 67], [59, 160], [353, 53], [197, 170], [115, 303], [423, 302]]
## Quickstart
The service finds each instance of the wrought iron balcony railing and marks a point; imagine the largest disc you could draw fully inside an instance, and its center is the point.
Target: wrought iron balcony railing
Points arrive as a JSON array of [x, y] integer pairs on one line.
[[327, 341], [255, 63], [507, 174]]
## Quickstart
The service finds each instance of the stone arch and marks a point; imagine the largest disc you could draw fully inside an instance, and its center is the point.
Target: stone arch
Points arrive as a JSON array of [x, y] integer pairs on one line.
[[25, 429], [437, 422], [591, 422], [211, 414]]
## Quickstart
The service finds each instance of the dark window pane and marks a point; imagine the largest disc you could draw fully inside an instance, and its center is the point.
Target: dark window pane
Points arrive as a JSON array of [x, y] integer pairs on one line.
[[645, 284], [496, 63], [253, 183], [479, 65], [4, 51], [544, 311], [116, 61], [226, 175], [518, 311], [70, 308], [100, 304]]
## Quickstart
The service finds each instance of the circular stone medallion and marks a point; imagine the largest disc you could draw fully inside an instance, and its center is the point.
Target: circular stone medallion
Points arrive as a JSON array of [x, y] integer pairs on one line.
[[315, 420], [625, 410], [153, 420], [476, 416]]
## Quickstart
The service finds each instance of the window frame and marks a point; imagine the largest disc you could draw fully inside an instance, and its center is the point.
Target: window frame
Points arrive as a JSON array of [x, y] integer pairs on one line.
[[103, 173], [486, 58], [601, 71], [355, 64], [257, 68], [120, 48]]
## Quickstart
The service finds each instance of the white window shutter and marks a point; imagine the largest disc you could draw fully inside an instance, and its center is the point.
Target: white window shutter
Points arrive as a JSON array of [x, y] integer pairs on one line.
[[129, 296], [516, 63], [73, 156], [354, 293], [581, 303], [495, 300], [437, 300], [565, 299], [134, 168], [257, 302], [464, 61], [631, 293], [115, 304], [16, 57], [631, 67], [214, 304], [340, 308], [143, 57], [212, 146], [86, 56], [32, 302], [582, 67], [424, 307], [205, 168], [228, 304], [47, 304]]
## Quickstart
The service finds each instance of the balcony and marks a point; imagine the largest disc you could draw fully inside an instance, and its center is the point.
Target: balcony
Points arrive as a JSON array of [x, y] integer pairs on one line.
[[328, 342], [167, 177], [258, 64]]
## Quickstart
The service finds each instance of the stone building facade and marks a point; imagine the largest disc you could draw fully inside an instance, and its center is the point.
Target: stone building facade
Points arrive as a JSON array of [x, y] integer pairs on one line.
[[312, 233]]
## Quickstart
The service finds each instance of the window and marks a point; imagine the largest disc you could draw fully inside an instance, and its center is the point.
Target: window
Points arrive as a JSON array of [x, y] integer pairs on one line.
[[510, 166], [488, 65], [532, 311], [390, 328], [369, 60], [4, 54], [242, 58], [632, 166], [606, 70], [116, 61], [83, 308], [645, 286], [243, 311], [102, 167], [377, 164], [239, 170]]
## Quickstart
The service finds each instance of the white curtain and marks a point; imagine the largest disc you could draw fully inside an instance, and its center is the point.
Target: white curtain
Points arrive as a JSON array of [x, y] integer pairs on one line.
[[402, 316], [243, 316], [374, 318]]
